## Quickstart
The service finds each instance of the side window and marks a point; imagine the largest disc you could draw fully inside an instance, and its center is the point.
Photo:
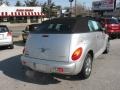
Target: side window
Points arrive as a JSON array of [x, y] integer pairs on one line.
[[100, 26], [93, 25], [90, 25]]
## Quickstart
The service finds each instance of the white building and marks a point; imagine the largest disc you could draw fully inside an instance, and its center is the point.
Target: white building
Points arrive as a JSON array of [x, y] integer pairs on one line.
[[12, 15]]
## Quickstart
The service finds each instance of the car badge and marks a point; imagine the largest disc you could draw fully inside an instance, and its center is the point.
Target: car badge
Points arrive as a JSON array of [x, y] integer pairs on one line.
[[43, 50]]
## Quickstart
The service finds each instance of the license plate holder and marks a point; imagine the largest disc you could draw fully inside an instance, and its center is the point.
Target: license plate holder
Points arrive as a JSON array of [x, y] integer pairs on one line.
[[42, 67]]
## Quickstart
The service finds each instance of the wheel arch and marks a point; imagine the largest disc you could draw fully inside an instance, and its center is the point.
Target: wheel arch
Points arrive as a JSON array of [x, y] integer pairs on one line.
[[91, 53]]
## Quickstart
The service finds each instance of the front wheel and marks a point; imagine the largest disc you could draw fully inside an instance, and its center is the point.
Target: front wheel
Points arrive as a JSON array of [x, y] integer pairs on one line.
[[87, 67], [11, 46]]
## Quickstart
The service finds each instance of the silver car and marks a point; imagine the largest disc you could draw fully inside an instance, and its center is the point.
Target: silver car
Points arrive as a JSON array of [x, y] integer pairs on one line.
[[65, 46]]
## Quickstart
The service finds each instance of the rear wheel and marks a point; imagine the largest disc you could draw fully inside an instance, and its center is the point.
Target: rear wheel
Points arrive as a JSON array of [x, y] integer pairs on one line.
[[87, 67], [107, 48]]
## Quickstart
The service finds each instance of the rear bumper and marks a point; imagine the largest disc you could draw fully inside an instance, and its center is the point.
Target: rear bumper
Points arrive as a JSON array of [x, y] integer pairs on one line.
[[50, 66], [5, 42]]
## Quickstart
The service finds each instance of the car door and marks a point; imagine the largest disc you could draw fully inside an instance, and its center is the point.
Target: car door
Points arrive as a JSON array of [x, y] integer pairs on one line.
[[95, 36], [99, 36]]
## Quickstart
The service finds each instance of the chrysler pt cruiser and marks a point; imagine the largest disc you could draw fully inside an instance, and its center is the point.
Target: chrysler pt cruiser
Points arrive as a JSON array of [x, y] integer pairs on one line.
[[65, 46]]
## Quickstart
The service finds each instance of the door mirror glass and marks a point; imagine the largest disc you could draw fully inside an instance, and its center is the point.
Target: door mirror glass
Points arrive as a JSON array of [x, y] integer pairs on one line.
[[104, 29]]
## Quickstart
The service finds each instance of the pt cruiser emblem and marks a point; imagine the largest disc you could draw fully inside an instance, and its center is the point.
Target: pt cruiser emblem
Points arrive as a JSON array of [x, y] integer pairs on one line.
[[43, 50]]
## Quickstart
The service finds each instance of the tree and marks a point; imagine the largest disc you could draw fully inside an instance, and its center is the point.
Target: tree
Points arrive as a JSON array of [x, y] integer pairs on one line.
[[80, 10], [45, 9], [50, 9], [1, 2], [31, 3], [18, 3], [7, 3]]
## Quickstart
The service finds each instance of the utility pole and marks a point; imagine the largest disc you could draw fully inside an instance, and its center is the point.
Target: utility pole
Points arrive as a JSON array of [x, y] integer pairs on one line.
[[75, 7], [70, 7], [49, 5]]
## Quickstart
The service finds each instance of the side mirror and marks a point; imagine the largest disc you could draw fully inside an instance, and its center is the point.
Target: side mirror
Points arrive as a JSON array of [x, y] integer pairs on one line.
[[104, 29], [23, 30], [10, 31]]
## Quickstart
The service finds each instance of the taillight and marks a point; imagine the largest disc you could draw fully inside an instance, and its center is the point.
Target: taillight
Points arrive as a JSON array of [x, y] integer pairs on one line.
[[24, 62], [113, 26], [77, 53], [9, 34], [106, 25]]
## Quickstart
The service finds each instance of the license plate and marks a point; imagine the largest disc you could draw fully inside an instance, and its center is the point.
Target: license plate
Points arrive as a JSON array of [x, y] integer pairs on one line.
[[1, 36], [44, 68]]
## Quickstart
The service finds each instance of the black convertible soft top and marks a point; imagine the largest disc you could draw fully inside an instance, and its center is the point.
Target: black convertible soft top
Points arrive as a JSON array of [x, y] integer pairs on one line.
[[65, 25], [80, 23]]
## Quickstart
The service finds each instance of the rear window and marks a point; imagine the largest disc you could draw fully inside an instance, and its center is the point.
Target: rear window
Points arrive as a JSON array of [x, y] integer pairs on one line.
[[3, 29], [112, 21], [51, 28], [63, 26]]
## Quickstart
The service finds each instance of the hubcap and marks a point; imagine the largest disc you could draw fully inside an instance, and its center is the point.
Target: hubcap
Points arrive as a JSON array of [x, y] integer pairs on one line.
[[88, 66]]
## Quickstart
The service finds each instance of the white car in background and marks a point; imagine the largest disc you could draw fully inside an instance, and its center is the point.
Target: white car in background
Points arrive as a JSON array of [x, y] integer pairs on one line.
[[6, 37]]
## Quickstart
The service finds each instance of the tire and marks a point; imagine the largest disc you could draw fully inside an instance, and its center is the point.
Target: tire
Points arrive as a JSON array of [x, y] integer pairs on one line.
[[11, 46], [87, 67], [107, 48], [24, 40], [118, 36]]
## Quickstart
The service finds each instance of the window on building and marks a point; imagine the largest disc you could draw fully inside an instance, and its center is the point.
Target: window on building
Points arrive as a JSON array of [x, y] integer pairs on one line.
[[4, 19], [18, 19]]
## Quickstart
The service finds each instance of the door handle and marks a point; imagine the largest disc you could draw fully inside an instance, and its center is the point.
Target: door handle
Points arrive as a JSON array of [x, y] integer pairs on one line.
[[97, 36], [45, 36]]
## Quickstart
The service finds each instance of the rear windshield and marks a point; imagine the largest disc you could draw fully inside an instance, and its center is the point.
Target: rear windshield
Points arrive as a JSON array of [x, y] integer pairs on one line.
[[3, 29], [54, 28], [63, 26], [112, 21]]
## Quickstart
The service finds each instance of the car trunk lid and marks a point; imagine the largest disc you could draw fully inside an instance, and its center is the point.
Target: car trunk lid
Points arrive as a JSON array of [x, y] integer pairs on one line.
[[54, 47]]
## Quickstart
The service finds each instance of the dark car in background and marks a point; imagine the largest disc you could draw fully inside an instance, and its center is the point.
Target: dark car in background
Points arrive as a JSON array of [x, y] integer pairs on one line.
[[28, 29], [119, 19], [112, 26]]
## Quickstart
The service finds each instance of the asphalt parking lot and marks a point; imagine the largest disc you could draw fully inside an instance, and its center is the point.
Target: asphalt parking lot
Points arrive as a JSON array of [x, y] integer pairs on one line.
[[105, 74]]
